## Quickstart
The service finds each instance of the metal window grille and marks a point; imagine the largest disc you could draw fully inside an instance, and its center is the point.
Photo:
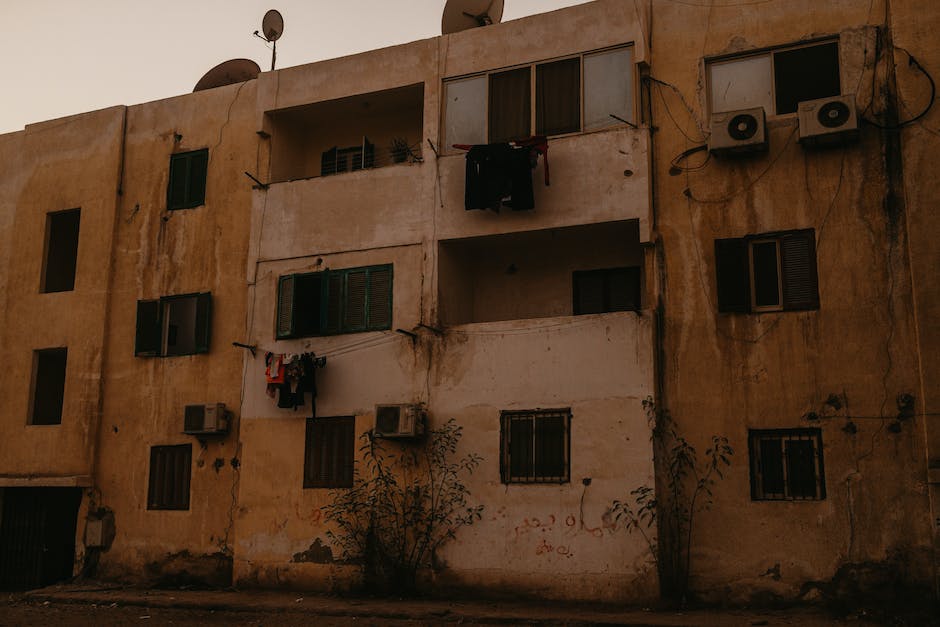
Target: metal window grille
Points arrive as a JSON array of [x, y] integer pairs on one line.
[[329, 452], [535, 446], [786, 465], [170, 468]]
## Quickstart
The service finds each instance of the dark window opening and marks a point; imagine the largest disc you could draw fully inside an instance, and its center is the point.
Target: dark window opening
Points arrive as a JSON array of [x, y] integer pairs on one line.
[[786, 464], [510, 105], [535, 446], [334, 301], [187, 186], [329, 452], [173, 325], [336, 160], [771, 272], [558, 97], [48, 386], [170, 468], [610, 289], [61, 251], [806, 73]]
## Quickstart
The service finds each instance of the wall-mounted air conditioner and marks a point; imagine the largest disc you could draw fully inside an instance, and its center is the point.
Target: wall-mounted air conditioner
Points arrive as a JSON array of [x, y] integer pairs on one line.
[[209, 419], [828, 121], [399, 421], [736, 132]]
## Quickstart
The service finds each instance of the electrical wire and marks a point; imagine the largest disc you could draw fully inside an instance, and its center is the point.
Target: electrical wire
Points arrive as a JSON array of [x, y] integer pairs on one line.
[[660, 84], [911, 62]]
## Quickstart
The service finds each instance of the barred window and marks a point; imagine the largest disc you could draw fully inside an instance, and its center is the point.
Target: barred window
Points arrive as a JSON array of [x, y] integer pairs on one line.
[[786, 464], [535, 446], [170, 468]]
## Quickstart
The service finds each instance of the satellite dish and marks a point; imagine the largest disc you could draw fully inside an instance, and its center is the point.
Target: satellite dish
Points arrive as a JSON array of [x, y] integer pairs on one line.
[[228, 73], [466, 14], [272, 26]]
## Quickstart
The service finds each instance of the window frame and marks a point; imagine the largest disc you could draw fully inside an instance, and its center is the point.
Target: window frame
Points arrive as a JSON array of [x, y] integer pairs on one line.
[[506, 418], [185, 161], [797, 272], [769, 52], [321, 437], [151, 330], [179, 496], [48, 252], [533, 98], [40, 388], [757, 463], [334, 310]]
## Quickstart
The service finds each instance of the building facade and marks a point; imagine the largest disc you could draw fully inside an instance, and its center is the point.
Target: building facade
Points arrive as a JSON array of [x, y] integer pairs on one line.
[[641, 251]]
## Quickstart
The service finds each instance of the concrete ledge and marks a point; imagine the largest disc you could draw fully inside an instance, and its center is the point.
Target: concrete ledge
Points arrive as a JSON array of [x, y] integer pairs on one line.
[[38, 481]]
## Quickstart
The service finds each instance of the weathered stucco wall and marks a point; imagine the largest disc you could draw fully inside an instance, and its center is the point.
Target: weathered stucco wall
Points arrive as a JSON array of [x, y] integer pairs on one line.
[[727, 373]]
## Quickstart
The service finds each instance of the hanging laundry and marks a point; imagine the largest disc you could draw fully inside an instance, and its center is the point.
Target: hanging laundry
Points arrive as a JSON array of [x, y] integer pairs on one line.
[[501, 174], [274, 368], [297, 378]]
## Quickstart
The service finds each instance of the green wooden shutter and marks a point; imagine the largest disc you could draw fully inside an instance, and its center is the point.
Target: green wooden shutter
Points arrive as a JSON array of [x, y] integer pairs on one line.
[[176, 190], [731, 266], [357, 282], [198, 170], [380, 298], [148, 338], [331, 303], [798, 258], [203, 321], [284, 325]]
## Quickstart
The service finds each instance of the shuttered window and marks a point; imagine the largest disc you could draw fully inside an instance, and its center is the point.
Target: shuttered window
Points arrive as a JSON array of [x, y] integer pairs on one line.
[[610, 289], [334, 301], [173, 325], [170, 468], [329, 452], [535, 446], [187, 185], [786, 464], [769, 272]]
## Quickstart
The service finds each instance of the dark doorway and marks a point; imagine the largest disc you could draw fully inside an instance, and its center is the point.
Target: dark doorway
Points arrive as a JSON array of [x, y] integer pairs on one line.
[[37, 536]]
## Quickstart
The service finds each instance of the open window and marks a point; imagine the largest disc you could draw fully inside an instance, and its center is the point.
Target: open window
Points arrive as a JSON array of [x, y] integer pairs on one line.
[[61, 254], [187, 186], [334, 301], [535, 446], [48, 386], [777, 80], [173, 325], [769, 272], [786, 464], [580, 93]]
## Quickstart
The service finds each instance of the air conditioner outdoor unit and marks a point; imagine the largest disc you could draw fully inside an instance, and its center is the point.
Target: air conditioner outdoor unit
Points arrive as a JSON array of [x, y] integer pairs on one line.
[[399, 421], [736, 132], [828, 121], [209, 419]]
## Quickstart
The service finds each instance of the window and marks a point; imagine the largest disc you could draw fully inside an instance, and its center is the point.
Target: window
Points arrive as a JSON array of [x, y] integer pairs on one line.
[[173, 325], [581, 93], [328, 453], [534, 446], [355, 158], [58, 270], [772, 272], [48, 386], [786, 464], [777, 80], [334, 301], [187, 187], [170, 468], [611, 289]]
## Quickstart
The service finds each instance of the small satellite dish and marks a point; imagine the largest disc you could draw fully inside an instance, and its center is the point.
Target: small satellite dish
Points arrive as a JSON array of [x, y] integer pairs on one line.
[[466, 14], [228, 73], [272, 26]]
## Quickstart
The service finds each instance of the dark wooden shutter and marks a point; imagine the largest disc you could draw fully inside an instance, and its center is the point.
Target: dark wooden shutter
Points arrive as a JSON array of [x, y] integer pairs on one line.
[[771, 468], [521, 460], [198, 170], [284, 325], [550, 447], [380, 298], [558, 97], [148, 338], [331, 303], [170, 469], [588, 292], [203, 322], [798, 258], [801, 469], [731, 266], [356, 297], [176, 190], [329, 452], [510, 105]]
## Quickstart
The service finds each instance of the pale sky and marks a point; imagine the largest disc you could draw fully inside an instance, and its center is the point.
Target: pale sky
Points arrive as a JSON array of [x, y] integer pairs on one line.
[[70, 56]]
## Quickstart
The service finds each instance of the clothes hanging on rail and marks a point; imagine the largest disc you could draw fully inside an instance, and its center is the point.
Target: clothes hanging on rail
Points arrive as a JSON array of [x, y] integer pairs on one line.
[[298, 379], [500, 175]]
